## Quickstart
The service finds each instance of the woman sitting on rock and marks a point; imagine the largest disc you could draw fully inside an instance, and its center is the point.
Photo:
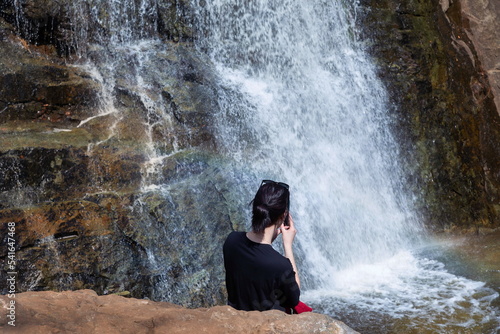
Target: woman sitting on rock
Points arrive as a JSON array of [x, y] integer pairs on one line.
[[257, 276]]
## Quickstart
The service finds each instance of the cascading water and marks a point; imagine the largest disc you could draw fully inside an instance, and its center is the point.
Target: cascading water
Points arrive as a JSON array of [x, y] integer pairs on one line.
[[301, 103], [118, 44], [315, 117], [118, 53]]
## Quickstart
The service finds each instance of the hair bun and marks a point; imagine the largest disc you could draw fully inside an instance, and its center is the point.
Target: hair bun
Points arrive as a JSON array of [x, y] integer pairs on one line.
[[261, 212]]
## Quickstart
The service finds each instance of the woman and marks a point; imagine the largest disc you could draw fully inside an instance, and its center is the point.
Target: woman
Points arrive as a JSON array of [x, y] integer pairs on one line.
[[257, 276]]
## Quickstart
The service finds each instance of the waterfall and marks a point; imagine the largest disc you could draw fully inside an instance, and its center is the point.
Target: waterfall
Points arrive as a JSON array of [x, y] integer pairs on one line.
[[118, 42], [311, 113]]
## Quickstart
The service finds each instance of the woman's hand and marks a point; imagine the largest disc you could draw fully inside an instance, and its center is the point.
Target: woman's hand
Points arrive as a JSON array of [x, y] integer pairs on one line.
[[288, 232]]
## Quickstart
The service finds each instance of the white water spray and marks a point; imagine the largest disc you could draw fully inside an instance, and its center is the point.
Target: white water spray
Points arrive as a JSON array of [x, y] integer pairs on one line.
[[117, 42], [314, 115]]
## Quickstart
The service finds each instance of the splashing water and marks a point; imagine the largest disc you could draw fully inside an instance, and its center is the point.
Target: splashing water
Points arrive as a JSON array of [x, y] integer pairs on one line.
[[301, 103]]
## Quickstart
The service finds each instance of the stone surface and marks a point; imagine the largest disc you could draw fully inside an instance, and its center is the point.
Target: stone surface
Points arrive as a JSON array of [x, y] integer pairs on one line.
[[482, 25], [79, 175], [85, 312], [153, 244], [35, 86], [61, 23]]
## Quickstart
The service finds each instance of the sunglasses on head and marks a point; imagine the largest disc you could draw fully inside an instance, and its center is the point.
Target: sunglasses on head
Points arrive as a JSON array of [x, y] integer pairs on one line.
[[274, 182]]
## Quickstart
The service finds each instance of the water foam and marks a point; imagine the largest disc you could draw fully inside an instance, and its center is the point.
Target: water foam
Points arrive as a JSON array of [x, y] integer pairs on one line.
[[405, 287]]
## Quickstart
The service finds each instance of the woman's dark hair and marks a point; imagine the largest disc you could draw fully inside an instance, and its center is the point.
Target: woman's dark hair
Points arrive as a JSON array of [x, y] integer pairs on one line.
[[270, 202]]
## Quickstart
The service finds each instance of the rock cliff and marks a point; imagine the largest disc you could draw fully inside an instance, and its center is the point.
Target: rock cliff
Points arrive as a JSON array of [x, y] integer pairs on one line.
[[441, 79], [481, 22], [85, 312]]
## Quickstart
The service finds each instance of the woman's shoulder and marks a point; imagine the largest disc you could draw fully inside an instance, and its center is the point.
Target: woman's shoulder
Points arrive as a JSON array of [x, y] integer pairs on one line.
[[236, 235]]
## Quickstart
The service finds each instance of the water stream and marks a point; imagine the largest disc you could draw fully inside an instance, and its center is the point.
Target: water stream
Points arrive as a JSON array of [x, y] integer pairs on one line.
[[121, 56]]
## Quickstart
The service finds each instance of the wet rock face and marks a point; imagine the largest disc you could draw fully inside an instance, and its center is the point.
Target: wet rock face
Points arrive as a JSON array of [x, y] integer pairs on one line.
[[160, 245], [77, 156], [35, 85], [444, 115], [482, 24], [61, 23]]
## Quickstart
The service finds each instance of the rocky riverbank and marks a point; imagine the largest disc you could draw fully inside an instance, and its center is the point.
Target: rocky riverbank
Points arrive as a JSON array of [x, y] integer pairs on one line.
[[85, 312]]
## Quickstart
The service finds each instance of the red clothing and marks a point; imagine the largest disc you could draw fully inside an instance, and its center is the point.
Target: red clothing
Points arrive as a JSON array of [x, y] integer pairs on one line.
[[301, 308]]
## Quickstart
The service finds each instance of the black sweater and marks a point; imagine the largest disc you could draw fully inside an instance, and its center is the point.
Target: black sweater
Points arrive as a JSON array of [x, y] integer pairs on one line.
[[257, 276]]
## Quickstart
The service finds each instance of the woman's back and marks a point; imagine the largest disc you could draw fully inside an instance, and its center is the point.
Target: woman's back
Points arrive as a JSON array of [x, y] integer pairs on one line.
[[257, 276]]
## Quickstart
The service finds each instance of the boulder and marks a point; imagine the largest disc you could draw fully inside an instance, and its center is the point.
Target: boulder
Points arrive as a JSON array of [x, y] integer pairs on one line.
[[85, 312]]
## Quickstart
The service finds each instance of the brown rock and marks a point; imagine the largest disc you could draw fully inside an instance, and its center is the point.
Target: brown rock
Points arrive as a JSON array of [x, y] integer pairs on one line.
[[445, 118], [483, 25], [85, 312]]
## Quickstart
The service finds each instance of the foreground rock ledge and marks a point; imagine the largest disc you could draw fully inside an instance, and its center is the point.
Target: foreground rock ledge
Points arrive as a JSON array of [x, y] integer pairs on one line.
[[84, 311]]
